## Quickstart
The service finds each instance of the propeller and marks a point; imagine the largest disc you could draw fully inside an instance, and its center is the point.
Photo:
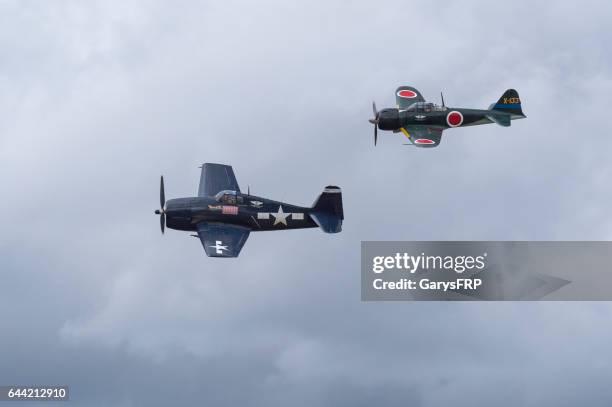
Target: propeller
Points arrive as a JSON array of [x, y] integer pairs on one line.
[[375, 121], [162, 204], [442, 97]]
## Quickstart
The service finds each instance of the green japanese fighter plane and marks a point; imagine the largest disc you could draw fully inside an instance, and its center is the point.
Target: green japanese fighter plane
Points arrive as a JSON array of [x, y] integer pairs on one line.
[[423, 122]]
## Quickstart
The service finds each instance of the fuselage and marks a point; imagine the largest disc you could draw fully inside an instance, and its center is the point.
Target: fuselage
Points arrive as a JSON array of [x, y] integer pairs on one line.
[[442, 117], [256, 213]]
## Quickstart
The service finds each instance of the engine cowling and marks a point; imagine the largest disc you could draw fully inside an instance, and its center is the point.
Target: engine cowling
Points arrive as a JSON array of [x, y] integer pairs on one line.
[[389, 119]]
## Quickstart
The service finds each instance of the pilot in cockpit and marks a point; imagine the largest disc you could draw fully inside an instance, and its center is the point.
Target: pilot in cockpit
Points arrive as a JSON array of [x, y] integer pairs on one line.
[[228, 197]]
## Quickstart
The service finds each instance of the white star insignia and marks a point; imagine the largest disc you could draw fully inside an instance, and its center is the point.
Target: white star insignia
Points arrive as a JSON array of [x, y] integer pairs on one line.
[[280, 216]]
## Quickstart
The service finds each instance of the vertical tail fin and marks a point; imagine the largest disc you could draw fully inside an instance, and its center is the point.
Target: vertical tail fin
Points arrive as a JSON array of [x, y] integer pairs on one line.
[[327, 211], [510, 102]]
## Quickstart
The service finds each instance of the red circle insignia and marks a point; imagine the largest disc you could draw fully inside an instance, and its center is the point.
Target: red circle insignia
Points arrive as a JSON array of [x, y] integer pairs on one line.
[[408, 94], [424, 141], [454, 119]]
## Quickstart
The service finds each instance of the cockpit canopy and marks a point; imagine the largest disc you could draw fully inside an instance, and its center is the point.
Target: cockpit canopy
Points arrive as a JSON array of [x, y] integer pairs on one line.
[[228, 197], [425, 107]]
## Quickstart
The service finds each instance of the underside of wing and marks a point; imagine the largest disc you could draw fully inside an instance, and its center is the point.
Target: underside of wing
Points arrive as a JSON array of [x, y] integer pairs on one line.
[[423, 136], [215, 178], [222, 240], [407, 95]]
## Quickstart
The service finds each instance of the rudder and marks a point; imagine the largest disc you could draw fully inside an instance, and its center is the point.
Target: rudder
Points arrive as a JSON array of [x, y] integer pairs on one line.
[[327, 211], [510, 102]]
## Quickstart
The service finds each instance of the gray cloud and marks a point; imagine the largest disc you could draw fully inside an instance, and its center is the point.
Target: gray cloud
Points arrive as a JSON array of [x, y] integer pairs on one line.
[[99, 99]]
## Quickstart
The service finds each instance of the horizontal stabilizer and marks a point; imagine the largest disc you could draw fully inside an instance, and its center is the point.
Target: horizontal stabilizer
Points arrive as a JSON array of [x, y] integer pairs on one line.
[[501, 119]]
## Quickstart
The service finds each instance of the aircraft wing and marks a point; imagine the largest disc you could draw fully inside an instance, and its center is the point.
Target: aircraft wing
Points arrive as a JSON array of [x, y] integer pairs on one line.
[[215, 178], [222, 240], [423, 136], [407, 95]]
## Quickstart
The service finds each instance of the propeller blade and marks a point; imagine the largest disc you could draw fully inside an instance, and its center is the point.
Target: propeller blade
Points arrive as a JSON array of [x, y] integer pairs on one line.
[[162, 194], [375, 121], [162, 203]]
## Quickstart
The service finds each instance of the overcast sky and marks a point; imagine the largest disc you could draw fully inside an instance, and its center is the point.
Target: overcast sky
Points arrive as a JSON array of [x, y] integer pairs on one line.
[[99, 98]]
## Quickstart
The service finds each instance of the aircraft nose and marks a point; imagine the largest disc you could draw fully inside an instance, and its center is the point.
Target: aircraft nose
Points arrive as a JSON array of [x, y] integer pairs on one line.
[[389, 119]]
